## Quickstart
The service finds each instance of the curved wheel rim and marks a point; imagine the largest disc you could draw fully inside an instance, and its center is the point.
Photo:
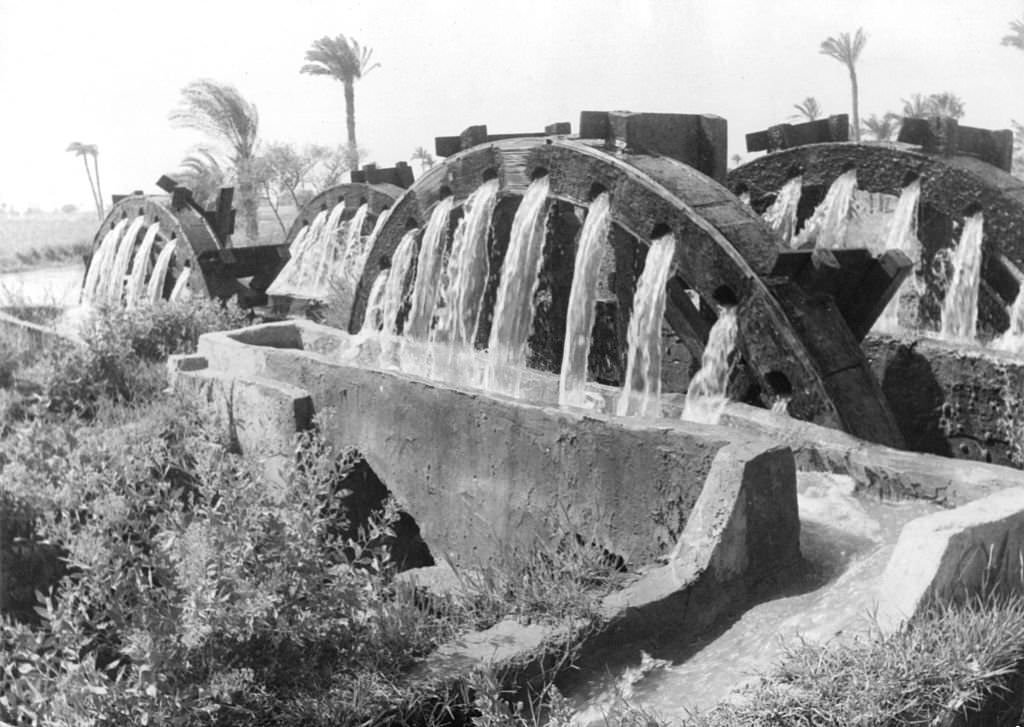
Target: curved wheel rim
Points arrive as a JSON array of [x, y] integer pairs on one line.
[[644, 191]]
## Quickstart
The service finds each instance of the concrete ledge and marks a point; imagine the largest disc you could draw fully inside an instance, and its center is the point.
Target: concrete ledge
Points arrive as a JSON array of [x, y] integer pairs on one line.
[[744, 527], [483, 473], [259, 415], [891, 473], [952, 556]]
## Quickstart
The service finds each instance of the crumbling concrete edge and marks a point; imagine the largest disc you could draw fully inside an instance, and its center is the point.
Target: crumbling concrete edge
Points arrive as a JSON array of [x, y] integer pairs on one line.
[[274, 412], [887, 472], [744, 527], [954, 556]]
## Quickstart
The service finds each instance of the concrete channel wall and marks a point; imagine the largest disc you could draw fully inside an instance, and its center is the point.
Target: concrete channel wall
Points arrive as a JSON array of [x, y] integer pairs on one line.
[[481, 473]]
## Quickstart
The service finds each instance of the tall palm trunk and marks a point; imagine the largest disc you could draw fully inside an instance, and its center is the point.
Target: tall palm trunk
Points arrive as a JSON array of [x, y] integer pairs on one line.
[[99, 190], [248, 200], [856, 104], [92, 187], [350, 123]]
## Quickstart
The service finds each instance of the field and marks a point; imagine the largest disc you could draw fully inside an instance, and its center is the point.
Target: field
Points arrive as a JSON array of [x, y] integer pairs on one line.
[[44, 239]]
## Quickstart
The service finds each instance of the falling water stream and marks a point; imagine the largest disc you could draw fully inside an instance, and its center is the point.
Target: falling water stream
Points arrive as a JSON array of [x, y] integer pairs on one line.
[[641, 389], [125, 248], [1012, 339], [960, 306], [781, 216], [902, 236], [98, 273], [465, 282], [515, 305], [428, 271], [155, 289], [582, 302], [373, 319], [826, 227], [707, 395], [140, 266], [297, 277]]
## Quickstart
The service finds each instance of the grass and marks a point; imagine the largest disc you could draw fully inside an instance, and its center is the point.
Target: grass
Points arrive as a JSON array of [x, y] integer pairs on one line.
[[45, 240]]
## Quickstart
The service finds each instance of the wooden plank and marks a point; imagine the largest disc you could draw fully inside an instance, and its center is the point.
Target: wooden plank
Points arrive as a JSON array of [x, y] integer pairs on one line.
[[861, 304]]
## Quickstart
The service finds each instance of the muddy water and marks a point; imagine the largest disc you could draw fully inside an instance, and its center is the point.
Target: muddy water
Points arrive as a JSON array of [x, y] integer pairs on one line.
[[846, 542], [44, 286]]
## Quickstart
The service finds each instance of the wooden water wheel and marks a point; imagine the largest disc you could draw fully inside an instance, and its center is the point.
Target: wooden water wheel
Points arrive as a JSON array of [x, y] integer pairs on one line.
[[803, 350], [961, 170]]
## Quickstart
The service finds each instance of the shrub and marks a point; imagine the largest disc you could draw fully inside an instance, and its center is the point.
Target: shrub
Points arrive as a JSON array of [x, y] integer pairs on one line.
[[196, 589], [122, 349]]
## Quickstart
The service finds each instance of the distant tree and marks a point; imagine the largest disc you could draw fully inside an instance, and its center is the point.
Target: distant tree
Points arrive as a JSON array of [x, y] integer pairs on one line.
[[1016, 37], [946, 103], [847, 50], [424, 157], [1018, 149], [86, 151], [345, 60], [69, 209], [736, 160], [222, 113], [331, 167], [881, 128], [203, 173], [283, 173], [808, 109]]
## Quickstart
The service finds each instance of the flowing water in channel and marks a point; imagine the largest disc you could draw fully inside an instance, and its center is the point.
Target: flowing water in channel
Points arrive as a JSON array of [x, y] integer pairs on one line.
[[960, 306], [781, 216], [582, 303], [846, 541], [707, 394], [641, 388], [515, 305], [826, 227]]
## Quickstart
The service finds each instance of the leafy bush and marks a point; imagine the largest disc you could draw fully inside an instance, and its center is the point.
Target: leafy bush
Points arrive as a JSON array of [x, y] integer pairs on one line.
[[196, 589], [122, 348]]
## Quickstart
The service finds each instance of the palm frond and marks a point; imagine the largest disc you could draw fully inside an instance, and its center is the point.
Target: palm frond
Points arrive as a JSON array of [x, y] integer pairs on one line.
[[221, 112]]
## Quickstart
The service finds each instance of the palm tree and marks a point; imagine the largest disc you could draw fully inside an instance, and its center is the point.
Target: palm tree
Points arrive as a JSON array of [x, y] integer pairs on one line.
[[946, 103], [345, 60], [847, 50], [882, 128], [221, 112], [203, 173], [424, 157], [85, 151], [808, 109], [916, 107], [1016, 37]]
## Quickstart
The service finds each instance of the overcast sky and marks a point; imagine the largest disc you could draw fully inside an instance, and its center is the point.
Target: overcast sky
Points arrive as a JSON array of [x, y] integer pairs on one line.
[[108, 73]]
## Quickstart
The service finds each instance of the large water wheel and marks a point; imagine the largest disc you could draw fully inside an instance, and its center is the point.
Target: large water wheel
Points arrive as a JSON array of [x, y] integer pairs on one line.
[[803, 350], [961, 170]]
